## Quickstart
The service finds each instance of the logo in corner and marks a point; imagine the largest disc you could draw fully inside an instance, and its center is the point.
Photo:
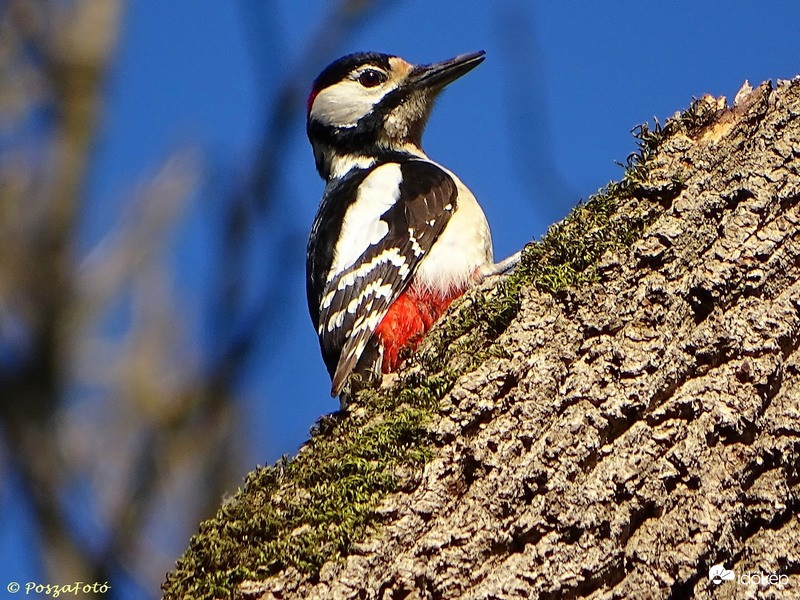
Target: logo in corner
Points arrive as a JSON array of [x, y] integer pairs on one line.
[[718, 574]]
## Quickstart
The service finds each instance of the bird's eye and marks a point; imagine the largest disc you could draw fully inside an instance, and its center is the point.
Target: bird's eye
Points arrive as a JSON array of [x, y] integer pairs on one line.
[[371, 78]]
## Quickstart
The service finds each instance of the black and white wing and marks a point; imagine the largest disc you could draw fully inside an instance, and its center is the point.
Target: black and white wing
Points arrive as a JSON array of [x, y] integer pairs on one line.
[[397, 212]]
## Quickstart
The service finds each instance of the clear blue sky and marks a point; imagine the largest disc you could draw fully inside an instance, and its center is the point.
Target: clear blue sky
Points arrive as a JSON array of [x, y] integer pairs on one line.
[[538, 126]]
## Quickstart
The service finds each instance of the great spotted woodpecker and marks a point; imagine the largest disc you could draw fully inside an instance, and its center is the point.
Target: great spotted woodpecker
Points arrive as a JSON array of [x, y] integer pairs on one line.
[[397, 236]]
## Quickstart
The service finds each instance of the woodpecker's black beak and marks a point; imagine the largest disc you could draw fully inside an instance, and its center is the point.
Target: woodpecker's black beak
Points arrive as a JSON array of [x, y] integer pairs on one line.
[[436, 76]]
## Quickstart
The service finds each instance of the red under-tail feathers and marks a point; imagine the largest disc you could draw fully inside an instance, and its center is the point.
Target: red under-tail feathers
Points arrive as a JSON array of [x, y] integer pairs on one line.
[[408, 320]]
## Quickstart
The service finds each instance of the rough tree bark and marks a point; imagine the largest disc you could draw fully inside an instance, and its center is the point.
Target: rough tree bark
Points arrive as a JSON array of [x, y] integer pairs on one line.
[[623, 436]]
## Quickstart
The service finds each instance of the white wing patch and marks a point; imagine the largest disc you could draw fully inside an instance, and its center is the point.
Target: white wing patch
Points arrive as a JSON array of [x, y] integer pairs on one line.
[[335, 320], [376, 288], [362, 226], [391, 255], [418, 251], [327, 299]]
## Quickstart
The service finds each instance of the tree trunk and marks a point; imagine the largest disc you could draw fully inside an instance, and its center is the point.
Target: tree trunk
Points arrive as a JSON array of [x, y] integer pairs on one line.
[[615, 438]]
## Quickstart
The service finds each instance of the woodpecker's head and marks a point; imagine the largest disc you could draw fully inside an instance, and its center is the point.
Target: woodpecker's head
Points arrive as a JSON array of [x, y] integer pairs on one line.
[[368, 103]]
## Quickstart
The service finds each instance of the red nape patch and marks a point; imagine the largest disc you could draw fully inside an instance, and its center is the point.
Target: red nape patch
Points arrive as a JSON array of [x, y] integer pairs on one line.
[[310, 102], [408, 320]]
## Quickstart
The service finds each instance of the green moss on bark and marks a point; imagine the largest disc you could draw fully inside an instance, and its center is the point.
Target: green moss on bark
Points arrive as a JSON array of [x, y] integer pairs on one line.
[[314, 507]]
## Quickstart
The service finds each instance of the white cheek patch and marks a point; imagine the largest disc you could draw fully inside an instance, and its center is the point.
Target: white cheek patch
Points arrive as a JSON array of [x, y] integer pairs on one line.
[[344, 103], [362, 226]]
